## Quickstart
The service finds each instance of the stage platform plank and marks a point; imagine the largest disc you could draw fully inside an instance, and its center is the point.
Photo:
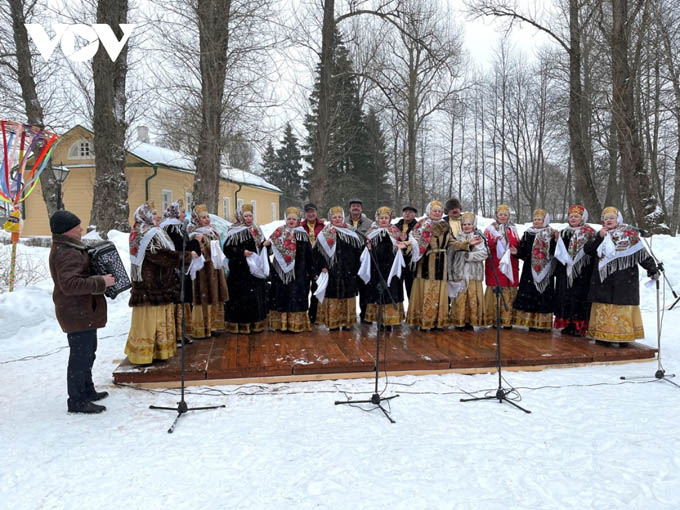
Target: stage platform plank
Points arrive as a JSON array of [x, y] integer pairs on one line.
[[319, 352]]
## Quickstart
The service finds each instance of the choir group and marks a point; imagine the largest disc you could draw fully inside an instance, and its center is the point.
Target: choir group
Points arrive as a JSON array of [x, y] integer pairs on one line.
[[581, 281]]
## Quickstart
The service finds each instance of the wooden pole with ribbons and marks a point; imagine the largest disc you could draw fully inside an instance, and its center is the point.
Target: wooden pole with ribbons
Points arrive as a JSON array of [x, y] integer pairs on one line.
[[20, 143]]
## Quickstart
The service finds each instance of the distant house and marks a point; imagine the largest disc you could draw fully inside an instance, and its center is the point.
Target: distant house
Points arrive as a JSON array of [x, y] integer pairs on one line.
[[153, 173]]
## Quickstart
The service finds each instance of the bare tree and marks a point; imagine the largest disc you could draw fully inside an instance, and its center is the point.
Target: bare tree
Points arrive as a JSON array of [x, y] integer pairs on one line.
[[639, 190], [110, 209]]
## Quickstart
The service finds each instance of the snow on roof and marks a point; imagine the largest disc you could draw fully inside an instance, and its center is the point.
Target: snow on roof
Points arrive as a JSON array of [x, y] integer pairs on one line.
[[168, 157]]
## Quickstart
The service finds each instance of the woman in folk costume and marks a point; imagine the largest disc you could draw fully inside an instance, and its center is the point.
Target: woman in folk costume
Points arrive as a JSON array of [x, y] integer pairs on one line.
[[535, 295], [246, 311], [430, 240], [209, 285], [466, 274], [501, 236], [572, 274], [173, 224], [384, 240], [154, 289], [337, 252], [614, 284], [293, 273]]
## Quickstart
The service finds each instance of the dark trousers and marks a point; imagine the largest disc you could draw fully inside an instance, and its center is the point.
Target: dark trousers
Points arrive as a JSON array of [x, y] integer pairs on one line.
[[83, 345], [408, 282], [313, 303], [364, 292]]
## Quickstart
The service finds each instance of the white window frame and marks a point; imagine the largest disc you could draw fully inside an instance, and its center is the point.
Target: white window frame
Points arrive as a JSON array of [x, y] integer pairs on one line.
[[166, 199], [188, 200], [254, 204], [226, 206], [81, 149], [239, 204], [275, 216]]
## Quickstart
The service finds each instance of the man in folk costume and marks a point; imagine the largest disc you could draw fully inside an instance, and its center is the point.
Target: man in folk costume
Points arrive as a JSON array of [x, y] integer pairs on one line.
[[313, 225], [293, 271], [572, 274], [614, 284], [535, 295], [153, 262], [453, 215], [337, 252], [405, 225], [246, 311], [209, 284], [466, 274], [430, 240], [173, 224], [384, 240], [80, 308], [360, 222], [501, 236]]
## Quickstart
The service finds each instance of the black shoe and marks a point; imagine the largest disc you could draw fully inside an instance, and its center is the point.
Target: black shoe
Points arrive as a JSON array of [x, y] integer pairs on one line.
[[460, 328], [85, 408], [569, 330], [469, 327], [97, 395]]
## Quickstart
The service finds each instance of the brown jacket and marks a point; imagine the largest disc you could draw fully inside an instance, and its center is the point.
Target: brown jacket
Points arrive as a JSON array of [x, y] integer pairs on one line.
[[160, 282], [78, 296]]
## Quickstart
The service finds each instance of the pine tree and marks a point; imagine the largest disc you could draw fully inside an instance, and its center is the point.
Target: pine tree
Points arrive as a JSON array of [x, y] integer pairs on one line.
[[379, 191], [348, 157], [288, 161]]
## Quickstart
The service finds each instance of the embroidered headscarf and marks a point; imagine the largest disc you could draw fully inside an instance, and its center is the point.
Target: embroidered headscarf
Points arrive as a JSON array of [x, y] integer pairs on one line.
[[500, 230], [145, 235], [240, 232], [327, 238], [541, 260], [621, 248], [284, 246], [172, 214], [573, 256]]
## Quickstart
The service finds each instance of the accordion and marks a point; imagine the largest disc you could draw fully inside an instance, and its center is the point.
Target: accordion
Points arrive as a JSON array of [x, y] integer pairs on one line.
[[104, 259]]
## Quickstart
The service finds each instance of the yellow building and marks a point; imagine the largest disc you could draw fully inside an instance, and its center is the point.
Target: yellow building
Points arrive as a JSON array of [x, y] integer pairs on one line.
[[153, 173]]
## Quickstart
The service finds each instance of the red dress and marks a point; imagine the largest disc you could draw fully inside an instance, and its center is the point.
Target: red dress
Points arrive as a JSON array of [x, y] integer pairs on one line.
[[494, 259]]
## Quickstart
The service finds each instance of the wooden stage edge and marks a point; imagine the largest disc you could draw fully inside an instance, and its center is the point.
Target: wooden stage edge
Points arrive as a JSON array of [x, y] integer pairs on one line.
[[366, 375]]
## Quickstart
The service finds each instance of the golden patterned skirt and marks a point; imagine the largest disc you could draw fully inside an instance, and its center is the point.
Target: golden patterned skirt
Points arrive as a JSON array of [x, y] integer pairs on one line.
[[205, 319], [390, 316], [246, 328], [335, 313], [468, 307], [152, 334], [182, 310], [429, 304], [615, 323], [507, 316], [533, 320], [289, 321]]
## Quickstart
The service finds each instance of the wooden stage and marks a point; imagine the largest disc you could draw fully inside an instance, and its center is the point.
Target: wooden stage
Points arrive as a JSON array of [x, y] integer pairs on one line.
[[322, 354]]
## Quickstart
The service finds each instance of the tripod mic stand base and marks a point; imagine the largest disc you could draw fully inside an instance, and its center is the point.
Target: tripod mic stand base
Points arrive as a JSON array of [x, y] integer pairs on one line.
[[182, 408], [659, 375], [375, 400], [501, 395]]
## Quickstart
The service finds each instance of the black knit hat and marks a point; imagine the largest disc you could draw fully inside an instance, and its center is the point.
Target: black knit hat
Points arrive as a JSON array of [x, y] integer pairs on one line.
[[310, 207], [453, 203], [63, 221], [356, 201], [410, 208]]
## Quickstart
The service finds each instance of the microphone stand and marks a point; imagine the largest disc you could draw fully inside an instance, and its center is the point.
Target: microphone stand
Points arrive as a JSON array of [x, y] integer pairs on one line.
[[382, 286], [501, 393], [182, 407], [660, 373]]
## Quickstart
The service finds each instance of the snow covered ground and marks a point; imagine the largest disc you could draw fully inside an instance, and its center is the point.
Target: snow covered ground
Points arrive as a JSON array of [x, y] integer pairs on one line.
[[592, 440]]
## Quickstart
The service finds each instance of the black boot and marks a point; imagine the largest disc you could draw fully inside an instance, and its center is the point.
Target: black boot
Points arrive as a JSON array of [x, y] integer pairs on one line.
[[85, 408], [97, 395]]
